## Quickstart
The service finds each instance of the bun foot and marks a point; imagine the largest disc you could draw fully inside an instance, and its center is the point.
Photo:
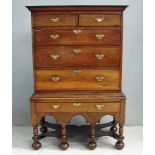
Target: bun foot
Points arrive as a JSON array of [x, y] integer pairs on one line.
[[36, 145], [43, 129], [119, 145], [113, 129], [92, 145], [64, 146]]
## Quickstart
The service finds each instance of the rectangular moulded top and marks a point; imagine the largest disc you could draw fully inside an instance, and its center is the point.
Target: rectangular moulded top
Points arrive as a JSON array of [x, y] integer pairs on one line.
[[78, 8]]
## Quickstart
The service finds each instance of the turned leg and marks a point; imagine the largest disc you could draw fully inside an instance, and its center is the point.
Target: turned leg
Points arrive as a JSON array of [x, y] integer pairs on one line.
[[120, 144], [63, 145], [92, 144], [36, 144], [113, 129], [43, 129]]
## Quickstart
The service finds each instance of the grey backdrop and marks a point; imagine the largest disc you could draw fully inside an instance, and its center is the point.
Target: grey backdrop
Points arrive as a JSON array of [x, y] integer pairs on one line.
[[132, 57]]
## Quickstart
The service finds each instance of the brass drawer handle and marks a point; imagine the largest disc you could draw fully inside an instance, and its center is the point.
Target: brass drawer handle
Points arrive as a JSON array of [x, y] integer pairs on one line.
[[99, 56], [77, 72], [99, 19], [54, 36], [76, 104], [55, 106], [99, 36], [54, 20], [55, 57], [77, 50], [55, 78], [77, 31], [99, 78], [99, 106]]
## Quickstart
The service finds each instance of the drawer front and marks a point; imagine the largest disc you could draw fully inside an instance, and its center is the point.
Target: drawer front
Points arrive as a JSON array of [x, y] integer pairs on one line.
[[99, 20], [104, 107], [77, 79], [49, 19], [78, 107], [76, 56], [74, 36]]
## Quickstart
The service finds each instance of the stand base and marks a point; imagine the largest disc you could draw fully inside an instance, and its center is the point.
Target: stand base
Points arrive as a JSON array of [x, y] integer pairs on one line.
[[41, 104]]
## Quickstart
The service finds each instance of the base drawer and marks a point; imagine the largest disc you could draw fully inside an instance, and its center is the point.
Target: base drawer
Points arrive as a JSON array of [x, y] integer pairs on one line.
[[78, 107]]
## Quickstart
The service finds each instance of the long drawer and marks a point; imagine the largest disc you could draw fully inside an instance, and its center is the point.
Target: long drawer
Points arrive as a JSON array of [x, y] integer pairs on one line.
[[77, 79], [76, 56], [77, 36], [78, 107]]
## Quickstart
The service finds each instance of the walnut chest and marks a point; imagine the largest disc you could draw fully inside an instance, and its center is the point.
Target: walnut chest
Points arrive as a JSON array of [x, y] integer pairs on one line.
[[77, 67]]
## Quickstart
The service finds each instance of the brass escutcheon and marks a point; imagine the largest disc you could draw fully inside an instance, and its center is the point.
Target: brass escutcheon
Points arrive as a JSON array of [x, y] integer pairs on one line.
[[76, 104], [99, 106], [77, 72], [77, 31], [77, 50], [99, 19], [99, 56], [54, 20], [99, 36]]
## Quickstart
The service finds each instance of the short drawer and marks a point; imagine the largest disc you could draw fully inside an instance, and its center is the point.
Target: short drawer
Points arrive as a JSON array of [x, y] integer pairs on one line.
[[50, 19], [76, 56], [77, 36], [77, 79], [99, 20], [78, 107]]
